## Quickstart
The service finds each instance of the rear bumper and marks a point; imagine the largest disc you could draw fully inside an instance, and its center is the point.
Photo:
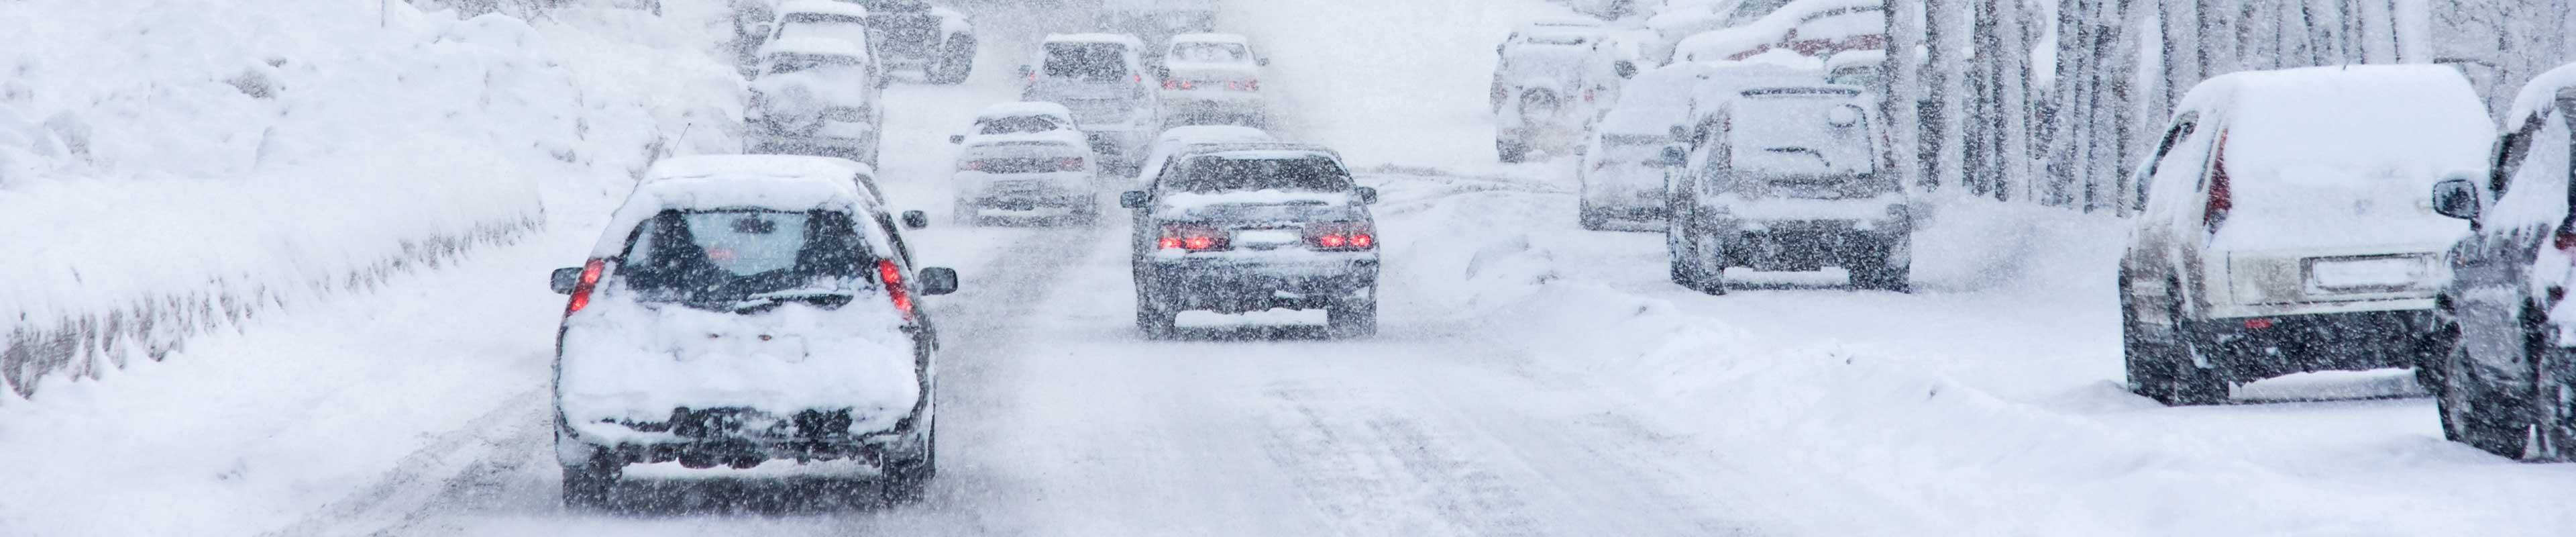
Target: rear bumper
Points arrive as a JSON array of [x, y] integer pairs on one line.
[[1239, 285], [2259, 347], [1803, 245]]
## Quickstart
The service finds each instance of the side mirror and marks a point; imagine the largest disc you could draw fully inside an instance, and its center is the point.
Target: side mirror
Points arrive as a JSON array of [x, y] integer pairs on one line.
[[2456, 198], [1625, 69], [1674, 157], [915, 220], [565, 279], [956, 138], [1162, 73], [1264, 62], [936, 280], [1134, 199], [1368, 195]]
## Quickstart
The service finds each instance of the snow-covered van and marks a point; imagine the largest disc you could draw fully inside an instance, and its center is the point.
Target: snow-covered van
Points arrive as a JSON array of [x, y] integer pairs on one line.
[[1622, 174], [1551, 81], [1101, 77], [1237, 228], [1025, 156], [742, 309], [817, 96], [914, 33], [2282, 226], [1788, 178], [2512, 328], [1212, 78]]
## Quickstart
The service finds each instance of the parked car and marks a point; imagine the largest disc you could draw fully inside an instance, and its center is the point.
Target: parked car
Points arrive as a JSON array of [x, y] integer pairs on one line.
[[753, 21], [1788, 178], [817, 96], [744, 309], [1213, 78], [1548, 87], [2506, 378], [830, 19], [2284, 228], [1177, 139], [917, 34], [1250, 227], [1815, 28], [1622, 174], [1101, 77], [1026, 156]]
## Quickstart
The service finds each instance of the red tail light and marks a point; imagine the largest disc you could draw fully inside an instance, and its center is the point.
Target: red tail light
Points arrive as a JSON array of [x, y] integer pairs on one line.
[[581, 291], [1069, 164], [1244, 85], [2220, 200], [970, 166], [1341, 236], [1191, 238], [1587, 95], [2566, 240], [892, 277]]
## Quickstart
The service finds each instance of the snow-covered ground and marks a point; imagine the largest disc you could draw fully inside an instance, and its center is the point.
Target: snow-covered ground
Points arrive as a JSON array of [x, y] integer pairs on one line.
[[1531, 378]]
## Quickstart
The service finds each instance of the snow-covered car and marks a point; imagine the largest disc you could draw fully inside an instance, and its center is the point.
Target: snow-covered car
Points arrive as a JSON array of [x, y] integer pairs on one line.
[[1548, 86], [817, 96], [2284, 226], [2513, 358], [753, 22], [1026, 156], [1101, 77], [917, 34], [1788, 178], [1622, 174], [1682, 19], [1212, 78], [1816, 28], [1251, 227], [744, 309], [829, 19]]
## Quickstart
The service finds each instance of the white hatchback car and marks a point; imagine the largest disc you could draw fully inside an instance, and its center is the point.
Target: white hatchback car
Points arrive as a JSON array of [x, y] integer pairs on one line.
[[743, 309]]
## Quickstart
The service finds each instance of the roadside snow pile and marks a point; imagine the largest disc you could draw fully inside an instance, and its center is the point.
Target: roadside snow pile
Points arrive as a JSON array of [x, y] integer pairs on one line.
[[1979, 244], [197, 162]]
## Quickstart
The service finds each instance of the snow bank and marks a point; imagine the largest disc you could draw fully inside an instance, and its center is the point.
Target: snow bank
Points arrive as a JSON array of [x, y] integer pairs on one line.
[[199, 162]]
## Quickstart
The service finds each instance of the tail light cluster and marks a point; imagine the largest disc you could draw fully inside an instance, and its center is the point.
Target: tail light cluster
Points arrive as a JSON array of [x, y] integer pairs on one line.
[[1192, 238], [892, 277], [589, 280], [1341, 236], [1179, 84], [2220, 200]]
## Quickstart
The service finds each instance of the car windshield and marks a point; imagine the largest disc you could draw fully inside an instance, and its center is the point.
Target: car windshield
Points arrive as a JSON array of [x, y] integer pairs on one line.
[[1214, 174], [1086, 61], [1018, 124], [1208, 52], [780, 64], [715, 259], [1801, 134]]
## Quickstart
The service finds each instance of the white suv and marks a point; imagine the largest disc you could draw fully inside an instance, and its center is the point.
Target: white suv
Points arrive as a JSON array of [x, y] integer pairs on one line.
[[2284, 226]]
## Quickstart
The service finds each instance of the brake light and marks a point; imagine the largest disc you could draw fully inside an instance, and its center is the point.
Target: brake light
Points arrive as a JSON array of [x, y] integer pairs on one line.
[[1179, 84], [970, 166], [1069, 164], [1587, 95], [2220, 200], [2566, 239], [1244, 85], [1341, 236], [892, 277], [581, 291], [1191, 238]]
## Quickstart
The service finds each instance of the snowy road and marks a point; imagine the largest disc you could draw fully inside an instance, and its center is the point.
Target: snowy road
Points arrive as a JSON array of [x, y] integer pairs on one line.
[[1531, 378]]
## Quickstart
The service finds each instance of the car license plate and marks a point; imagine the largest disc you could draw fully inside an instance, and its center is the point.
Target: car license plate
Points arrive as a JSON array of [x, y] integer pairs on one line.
[[2364, 275], [1266, 238]]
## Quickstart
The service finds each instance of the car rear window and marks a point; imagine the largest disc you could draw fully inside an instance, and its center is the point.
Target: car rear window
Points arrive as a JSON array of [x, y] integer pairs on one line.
[[1087, 61], [1018, 124], [1208, 52], [1802, 134], [712, 258], [1213, 174]]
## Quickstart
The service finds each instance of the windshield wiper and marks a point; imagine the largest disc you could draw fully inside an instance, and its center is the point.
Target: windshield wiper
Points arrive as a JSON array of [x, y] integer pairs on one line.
[[1820, 155], [819, 297]]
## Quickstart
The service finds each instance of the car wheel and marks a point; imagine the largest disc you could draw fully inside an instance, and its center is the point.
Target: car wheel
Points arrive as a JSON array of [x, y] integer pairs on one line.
[[1352, 320], [1711, 277], [1874, 271], [2474, 413], [907, 481], [2172, 373], [1592, 218], [590, 486], [1511, 152], [1674, 254]]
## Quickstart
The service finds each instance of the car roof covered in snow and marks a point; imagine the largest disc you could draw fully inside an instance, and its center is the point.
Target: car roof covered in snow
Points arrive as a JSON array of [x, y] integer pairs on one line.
[[776, 182], [1770, 29], [1022, 108], [2537, 95], [814, 46], [1122, 39], [823, 7], [1238, 39]]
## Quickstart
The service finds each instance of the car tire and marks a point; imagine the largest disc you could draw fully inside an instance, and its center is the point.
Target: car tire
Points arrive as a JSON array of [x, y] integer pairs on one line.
[[1709, 278], [1352, 320], [590, 486], [1593, 219], [1872, 271], [1675, 251], [2475, 413], [1511, 152], [1154, 321], [907, 481], [2162, 366]]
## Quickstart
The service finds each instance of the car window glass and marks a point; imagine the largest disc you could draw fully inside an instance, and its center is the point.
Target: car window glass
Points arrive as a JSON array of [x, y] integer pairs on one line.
[[714, 257], [2182, 129], [1087, 61], [1212, 174], [791, 63], [1209, 52], [1018, 124]]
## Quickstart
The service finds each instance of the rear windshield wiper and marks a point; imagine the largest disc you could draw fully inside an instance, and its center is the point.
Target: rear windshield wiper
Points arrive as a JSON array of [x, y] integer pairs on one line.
[[1820, 155], [819, 297]]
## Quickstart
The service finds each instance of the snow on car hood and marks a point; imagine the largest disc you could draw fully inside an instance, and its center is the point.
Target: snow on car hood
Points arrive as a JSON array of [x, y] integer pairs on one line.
[[624, 360]]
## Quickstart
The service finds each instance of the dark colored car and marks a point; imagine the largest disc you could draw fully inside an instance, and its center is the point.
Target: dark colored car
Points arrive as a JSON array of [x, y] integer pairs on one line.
[[2509, 378], [1238, 228]]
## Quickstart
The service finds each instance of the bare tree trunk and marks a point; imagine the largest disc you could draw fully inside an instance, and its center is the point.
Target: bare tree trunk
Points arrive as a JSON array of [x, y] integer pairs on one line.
[[1947, 76], [2060, 126], [1905, 87], [2012, 63]]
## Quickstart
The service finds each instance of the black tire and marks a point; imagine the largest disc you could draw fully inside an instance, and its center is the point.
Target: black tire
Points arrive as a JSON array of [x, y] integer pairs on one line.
[[2479, 415], [1676, 250], [2161, 365], [1352, 320], [1592, 218], [1154, 321], [1704, 278], [1511, 152], [590, 486], [1872, 271], [907, 481]]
